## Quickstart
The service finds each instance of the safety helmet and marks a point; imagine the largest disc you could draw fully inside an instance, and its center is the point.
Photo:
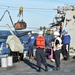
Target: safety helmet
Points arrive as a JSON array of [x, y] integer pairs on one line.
[[40, 32], [64, 31], [29, 33], [56, 33]]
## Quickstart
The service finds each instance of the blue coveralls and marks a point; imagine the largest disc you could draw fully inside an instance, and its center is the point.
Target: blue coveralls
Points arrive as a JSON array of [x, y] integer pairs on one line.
[[66, 46], [31, 41]]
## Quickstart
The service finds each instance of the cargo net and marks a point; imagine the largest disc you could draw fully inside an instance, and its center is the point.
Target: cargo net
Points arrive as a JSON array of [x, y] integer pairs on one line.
[[20, 24]]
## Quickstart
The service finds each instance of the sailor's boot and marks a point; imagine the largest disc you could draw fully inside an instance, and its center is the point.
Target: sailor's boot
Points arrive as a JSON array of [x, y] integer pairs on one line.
[[46, 68], [39, 69]]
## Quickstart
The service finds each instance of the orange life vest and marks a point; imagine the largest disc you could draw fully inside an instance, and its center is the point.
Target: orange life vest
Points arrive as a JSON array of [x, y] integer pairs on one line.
[[40, 42]]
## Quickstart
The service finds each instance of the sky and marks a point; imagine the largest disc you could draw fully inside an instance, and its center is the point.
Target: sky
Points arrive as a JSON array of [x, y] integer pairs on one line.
[[36, 12]]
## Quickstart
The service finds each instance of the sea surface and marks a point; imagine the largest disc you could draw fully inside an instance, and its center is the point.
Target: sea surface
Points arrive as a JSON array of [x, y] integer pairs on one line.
[[23, 38]]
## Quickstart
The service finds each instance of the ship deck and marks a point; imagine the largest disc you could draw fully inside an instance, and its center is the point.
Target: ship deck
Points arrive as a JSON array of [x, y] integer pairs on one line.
[[27, 67]]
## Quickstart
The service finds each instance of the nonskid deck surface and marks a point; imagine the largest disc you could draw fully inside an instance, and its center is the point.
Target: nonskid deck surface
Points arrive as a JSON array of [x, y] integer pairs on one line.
[[27, 67]]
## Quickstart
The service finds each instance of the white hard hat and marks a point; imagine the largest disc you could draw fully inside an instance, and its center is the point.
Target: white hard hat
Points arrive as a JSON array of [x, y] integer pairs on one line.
[[29, 33], [56, 33], [40, 32]]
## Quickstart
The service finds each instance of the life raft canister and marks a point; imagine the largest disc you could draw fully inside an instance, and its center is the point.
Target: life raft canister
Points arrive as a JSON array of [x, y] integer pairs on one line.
[[40, 42]]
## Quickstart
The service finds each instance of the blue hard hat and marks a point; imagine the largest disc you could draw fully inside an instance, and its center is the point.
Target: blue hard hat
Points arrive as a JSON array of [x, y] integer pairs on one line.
[[64, 31]]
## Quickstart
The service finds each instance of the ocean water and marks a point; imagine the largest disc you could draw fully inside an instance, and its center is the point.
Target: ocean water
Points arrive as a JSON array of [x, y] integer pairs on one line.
[[23, 38]]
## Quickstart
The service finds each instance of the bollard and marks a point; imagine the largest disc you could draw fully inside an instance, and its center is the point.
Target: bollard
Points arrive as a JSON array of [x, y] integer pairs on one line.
[[4, 61], [25, 54], [10, 61]]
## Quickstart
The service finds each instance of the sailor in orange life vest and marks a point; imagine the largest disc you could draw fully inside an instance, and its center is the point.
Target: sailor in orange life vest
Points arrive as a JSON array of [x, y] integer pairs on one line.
[[40, 55], [57, 49]]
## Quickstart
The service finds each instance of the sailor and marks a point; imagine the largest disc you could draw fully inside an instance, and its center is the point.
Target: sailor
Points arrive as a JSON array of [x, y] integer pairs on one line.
[[59, 28], [57, 49], [40, 54], [66, 44], [30, 43]]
